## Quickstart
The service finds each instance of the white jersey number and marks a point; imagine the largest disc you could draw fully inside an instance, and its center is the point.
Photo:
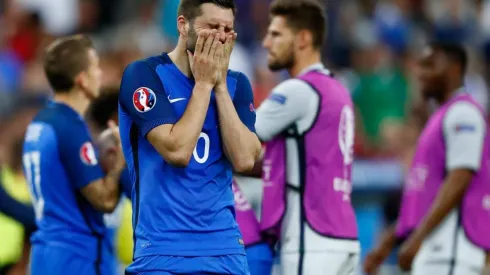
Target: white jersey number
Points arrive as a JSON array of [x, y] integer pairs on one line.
[[202, 159], [32, 166], [346, 145]]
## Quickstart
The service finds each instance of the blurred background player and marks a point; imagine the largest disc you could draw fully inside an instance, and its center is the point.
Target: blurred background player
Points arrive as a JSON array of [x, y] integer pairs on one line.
[[444, 210], [186, 123], [118, 223], [308, 125], [259, 254], [69, 190]]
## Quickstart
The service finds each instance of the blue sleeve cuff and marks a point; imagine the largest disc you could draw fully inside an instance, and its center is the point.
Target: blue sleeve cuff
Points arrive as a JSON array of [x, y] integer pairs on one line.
[[90, 177], [150, 125]]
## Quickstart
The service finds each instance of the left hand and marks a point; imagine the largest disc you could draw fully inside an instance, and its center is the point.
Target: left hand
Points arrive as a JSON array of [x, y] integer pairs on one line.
[[225, 60], [407, 253]]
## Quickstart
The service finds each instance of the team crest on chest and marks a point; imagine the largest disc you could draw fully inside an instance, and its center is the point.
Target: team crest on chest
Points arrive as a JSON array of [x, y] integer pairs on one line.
[[144, 99], [87, 154]]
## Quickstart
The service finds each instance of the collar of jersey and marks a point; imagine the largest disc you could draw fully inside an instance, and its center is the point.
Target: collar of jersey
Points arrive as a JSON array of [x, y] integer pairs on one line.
[[172, 66], [62, 106]]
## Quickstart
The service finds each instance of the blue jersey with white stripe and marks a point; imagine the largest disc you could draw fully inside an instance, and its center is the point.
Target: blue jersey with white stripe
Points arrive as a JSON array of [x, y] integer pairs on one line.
[[59, 159], [178, 211]]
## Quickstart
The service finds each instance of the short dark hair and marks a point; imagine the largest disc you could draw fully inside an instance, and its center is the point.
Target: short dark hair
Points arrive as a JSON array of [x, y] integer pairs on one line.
[[103, 108], [303, 15], [64, 59], [453, 51], [191, 9]]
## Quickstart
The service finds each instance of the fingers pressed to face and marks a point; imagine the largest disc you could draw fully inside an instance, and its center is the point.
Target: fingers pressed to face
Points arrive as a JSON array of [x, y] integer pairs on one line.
[[209, 42], [214, 46], [200, 42], [230, 42], [218, 55]]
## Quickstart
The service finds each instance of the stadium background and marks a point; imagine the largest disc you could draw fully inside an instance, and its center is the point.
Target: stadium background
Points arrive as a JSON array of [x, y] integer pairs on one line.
[[371, 46]]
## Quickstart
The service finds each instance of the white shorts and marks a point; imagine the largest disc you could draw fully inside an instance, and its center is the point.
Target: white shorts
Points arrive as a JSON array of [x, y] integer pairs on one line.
[[317, 263], [444, 268]]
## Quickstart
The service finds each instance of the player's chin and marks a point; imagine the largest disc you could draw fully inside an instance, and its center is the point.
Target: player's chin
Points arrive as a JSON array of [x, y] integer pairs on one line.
[[275, 66]]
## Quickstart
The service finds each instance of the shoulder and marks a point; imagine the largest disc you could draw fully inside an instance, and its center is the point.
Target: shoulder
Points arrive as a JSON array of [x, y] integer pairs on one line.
[[294, 90], [136, 67], [238, 76], [292, 85], [144, 65], [463, 116]]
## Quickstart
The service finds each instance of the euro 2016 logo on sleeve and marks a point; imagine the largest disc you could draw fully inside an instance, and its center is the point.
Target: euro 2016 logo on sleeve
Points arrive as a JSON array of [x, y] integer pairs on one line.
[[87, 154], [144, 99]]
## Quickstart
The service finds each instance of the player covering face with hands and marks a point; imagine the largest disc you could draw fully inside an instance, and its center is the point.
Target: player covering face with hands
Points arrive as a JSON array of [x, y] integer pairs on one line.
[[182, 149]]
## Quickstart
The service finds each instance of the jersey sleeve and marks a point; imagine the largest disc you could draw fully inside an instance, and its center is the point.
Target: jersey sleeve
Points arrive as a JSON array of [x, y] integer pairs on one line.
[[288, 102], [464, 133], [78, 154], [243, 102], [142, 95]]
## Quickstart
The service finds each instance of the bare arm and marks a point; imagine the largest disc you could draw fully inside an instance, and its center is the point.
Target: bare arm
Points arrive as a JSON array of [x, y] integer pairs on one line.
[[175, 142], [449, 196], [240, 144], [104, 194], [376, 257]]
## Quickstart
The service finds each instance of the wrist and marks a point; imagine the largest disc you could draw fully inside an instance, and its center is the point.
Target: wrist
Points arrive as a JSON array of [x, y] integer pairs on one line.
[[221, 88], [116, 171], [204, 86]]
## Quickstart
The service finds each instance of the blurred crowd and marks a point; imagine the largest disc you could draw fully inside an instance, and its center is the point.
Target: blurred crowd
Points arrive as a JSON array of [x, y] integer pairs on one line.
[[372, 46]]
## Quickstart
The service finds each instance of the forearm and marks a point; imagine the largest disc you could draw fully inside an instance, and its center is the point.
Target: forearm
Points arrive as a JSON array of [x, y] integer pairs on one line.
[[186, 131], [388, 239], [111, 193], [17, 210], [240, 144], [448, 197]]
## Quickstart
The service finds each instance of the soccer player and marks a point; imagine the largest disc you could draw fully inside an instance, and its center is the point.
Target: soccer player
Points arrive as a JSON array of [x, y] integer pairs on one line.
[[308, 125], [102, 110], [444, 216], [186, 123], [69, 190]]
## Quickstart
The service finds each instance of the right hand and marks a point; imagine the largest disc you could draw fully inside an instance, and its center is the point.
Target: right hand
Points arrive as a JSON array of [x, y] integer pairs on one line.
[[374, 260], [206, 58]]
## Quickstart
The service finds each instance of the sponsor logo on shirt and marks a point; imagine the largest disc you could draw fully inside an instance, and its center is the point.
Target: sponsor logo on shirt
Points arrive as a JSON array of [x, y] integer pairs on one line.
[[465, 128], [87, 154], [278, 98], [144, 99]]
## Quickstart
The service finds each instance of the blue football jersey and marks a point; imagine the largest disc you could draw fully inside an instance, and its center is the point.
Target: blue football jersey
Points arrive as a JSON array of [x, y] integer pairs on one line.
[[59, 159], [178, 211]]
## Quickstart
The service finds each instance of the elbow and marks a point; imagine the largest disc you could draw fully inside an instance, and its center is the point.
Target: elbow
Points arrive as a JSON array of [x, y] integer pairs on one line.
[[110, 205], [180, 158], [175, 155], [243, 165]]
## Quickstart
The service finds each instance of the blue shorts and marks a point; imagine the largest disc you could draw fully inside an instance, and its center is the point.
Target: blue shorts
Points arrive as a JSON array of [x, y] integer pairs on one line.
[[60, 261], [170, 265], [259, 258]]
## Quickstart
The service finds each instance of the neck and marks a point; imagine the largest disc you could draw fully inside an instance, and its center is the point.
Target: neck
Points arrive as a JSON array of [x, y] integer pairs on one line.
[[74, 99], [451, 91], [180, 58], [304, 61]]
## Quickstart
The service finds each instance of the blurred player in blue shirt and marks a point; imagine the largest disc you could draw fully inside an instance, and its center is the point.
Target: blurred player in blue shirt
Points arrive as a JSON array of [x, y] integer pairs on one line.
[[69, 190], [186, 123]]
